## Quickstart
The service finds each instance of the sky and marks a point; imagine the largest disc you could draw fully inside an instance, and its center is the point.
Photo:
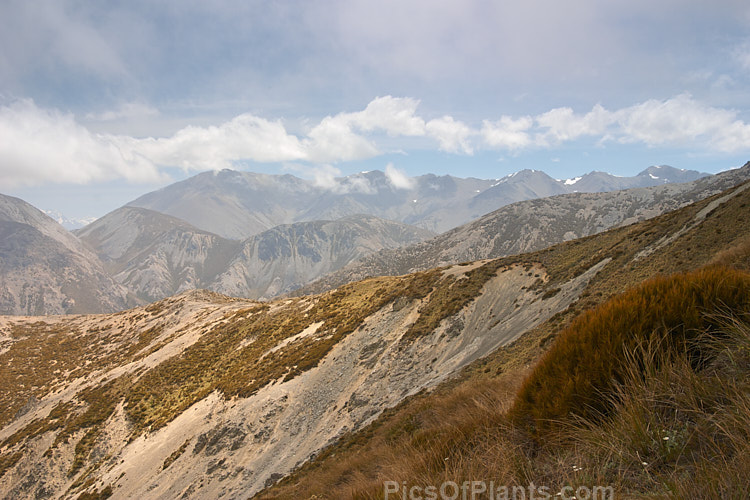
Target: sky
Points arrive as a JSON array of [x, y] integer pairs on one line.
[[102, 101]]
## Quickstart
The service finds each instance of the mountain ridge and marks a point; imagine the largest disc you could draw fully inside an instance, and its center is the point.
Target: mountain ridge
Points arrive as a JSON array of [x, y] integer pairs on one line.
[[236, 204]]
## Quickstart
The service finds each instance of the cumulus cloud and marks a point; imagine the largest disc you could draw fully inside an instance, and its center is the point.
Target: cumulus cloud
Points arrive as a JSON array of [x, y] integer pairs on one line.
[[334, 140], [398, 178], [38, 145], [508, 133], [562, 124], [682, 121], [338, 138], [453, 136], [677, 122], [245, 137]]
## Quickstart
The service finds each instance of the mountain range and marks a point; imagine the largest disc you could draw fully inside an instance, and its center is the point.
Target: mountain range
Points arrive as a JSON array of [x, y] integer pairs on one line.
[[294, 232], [237, 205], [206, 396]]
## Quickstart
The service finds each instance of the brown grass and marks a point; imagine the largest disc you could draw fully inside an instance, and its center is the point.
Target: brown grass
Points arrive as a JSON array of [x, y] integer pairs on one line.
[[588, 358], [463, 431]]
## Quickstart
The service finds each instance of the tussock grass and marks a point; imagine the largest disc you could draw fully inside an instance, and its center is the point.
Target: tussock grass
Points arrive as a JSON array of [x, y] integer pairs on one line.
[[589, 357], [665, 426]]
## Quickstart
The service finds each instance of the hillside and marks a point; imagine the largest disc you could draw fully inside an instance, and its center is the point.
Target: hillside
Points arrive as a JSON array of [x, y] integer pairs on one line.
[[675, 427], [45, 270], [205, 396], [533, 225]]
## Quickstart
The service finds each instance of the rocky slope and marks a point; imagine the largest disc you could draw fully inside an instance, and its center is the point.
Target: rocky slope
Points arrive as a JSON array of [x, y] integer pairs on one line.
[[45, 270], [289, 256], [202, 396], [156, 255], [240, 204], [533, 225]]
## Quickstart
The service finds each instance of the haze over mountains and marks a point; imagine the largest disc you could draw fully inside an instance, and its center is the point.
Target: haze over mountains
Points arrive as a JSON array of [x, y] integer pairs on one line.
[[236, 204], [258, 236], [156, 255]]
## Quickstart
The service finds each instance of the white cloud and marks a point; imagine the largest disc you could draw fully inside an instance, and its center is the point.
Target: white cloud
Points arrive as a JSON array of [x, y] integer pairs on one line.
[[453, 136], [682, 121], [398, 178], [508, 133], [563, 124], [330, 177], [39, 145], [334, 140], [245, 137], [336, 137], [394, 115]]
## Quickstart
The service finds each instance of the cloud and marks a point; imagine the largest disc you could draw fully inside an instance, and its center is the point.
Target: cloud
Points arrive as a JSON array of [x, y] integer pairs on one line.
[[41, 145], [38, 145], [398, 178], [334, 140], [563, 125], [394, 115], [338, 138], [453, 136], [330, 177], [245, 137], [682, 121], [508, 133]]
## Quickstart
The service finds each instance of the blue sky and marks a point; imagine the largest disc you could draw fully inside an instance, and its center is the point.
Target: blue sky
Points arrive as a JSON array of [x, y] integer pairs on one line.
[[103, 101]]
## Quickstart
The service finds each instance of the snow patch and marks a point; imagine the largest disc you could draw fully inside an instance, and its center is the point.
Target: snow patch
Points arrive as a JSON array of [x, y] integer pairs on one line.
[[570, 182]]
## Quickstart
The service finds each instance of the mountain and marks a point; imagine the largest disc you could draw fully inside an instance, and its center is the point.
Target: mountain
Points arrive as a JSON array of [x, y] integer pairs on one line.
[[291, 255], [156, 255], [69, 223], [237, 205], [203, 396], [532, 225], [652, 176], [45, 270]]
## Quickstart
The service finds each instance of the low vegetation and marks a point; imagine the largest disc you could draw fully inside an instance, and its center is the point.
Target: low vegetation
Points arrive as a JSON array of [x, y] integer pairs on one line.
[[588, 359], [675, 424]]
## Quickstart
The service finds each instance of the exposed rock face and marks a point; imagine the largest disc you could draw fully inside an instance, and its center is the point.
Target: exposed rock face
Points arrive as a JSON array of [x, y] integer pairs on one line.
[[240, 204], [156, 255], [289, 256], [45, 270]]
